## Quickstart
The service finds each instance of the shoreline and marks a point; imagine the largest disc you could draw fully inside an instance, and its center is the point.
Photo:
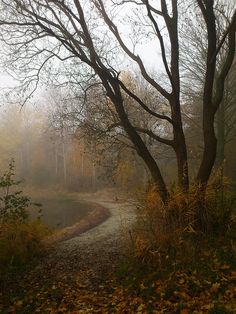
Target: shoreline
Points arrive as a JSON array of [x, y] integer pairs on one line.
[[96, 217]]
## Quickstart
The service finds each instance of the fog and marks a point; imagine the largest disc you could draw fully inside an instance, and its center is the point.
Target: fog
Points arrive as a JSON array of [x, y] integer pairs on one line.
[[50, 164], [55, 160]]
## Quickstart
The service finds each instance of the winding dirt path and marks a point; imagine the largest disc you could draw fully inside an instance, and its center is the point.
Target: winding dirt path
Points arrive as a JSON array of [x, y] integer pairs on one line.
[[79, 272], [112, 229], [100, 248], [76, 276]]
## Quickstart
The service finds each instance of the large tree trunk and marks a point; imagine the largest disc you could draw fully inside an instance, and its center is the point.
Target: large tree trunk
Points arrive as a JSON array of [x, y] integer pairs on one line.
[[116, 97], [182, 158], [210, 142], [220, 127], [210, 146], [145, 154], [179, 146], [213, 87], [179, 137]]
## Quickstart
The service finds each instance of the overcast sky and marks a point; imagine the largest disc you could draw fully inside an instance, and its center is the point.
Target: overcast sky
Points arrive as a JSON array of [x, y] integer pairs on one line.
[[148, 51]]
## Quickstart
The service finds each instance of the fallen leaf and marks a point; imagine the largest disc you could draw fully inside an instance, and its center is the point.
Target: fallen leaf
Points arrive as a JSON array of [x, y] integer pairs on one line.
[[215, 287]]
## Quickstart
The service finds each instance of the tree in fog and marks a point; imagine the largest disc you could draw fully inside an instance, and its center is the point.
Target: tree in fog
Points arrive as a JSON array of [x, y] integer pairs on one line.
[[97, 127], [86, 39], [193, 69]]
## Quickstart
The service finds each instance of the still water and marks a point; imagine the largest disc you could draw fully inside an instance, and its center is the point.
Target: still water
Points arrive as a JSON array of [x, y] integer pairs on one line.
[[60, 213]]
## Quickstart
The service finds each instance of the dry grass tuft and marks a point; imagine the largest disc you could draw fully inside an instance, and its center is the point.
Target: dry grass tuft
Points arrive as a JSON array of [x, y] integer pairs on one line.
[[168, 234]]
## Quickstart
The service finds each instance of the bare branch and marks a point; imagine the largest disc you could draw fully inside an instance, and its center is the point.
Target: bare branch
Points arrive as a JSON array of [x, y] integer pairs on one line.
[[142, 104], [156, 137], [113, 28]]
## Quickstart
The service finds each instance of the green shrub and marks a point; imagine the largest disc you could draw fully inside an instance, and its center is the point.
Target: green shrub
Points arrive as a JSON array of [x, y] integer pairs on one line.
[[13, 204]]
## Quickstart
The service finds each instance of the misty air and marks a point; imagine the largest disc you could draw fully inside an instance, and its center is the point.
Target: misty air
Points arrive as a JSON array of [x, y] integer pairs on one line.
[[117, 157]]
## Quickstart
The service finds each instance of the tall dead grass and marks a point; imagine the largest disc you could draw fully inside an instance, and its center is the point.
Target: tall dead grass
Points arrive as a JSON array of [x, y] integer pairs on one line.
[[20, 242], [172, 233]]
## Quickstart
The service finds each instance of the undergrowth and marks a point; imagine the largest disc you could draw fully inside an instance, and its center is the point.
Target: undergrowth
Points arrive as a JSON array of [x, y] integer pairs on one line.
[[20, 239], [178, 232], [179, 252]]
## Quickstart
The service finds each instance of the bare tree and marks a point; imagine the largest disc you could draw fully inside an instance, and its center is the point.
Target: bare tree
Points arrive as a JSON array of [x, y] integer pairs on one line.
[[39, 31], [193, 69]]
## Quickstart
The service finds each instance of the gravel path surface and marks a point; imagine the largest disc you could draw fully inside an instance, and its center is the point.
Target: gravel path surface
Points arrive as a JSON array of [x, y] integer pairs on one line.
[[111, 230], [90, 258], [100, 248]]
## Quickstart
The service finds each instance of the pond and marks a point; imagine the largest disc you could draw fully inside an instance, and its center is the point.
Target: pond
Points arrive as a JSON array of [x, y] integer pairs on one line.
[[58, 213]]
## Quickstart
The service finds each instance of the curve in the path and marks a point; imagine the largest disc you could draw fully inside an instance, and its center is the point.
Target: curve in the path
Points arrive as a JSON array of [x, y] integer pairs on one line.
[[121, 216]]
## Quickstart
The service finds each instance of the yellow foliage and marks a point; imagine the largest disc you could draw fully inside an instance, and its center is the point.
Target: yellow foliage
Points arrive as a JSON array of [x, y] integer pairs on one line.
[[141, 245], [124, 173], [172, 229], [20, 241], [152, 199]]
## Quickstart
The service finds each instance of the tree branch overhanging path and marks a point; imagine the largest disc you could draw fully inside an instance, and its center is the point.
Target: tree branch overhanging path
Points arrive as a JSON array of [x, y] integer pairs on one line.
[[36, 32]]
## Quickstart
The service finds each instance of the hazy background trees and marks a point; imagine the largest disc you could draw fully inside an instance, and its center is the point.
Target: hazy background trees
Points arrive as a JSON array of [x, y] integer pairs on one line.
[[50, 152], [81, 48]]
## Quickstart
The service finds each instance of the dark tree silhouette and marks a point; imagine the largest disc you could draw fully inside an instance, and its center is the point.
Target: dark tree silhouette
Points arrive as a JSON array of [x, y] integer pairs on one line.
[[36, 32]]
